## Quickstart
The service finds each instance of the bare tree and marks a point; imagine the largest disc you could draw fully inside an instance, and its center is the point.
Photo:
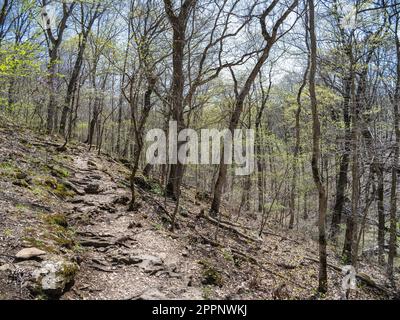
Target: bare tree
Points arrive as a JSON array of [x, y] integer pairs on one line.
[[270, 38], [54, 40], [88, 15]]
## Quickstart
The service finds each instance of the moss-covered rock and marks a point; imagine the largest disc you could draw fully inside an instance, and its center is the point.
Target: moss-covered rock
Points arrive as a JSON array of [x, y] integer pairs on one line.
[[53, 277], [211, 275]]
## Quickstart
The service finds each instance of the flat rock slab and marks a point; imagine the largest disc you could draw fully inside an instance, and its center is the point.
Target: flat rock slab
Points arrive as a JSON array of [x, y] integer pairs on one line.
[[29, 253], [150, 294]]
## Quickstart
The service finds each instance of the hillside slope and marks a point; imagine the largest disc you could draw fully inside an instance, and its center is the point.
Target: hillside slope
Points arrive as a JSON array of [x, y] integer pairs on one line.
[[71, 207]]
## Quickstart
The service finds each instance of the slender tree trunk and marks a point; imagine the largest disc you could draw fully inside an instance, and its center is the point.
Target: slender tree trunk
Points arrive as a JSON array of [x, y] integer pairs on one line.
[[381, 215], [295, 163], [51, 80], [316, 156], [395, 164], [343, 166], [72, 87], [242, 95], [139, 128], [223, 167]]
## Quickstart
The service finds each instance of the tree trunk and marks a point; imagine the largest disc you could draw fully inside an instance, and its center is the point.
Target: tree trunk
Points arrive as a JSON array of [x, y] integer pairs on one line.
[[51, 81], [71, 87], [316, 156], [381, 216], [343, 167], [395, 163], [179, 24]]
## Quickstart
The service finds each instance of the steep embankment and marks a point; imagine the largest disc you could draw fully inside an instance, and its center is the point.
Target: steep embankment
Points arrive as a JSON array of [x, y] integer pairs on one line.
[[72, 207]]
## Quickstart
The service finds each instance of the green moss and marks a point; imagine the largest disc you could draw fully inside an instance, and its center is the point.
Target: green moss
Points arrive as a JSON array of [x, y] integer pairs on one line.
[[210, 275], [51, 184], [69, 270], [38, 191], [158, 226], [63, 241], [7, 233], [62, 191], [41, 297], [77, 248], [58, 231], [40, 244], [207, 292], [227, 255], [21, 207], [58, 219], [8, 169], [62, 158], [21, 183], [156, 188], [60, 172]]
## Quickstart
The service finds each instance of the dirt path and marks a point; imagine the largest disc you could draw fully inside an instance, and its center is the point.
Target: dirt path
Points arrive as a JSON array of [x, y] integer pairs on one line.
[[124, 255]]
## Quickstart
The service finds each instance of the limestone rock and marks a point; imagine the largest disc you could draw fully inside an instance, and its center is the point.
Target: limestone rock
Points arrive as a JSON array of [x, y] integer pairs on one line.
[[53, 277], [6, 267], [151, 294], [29, 253]]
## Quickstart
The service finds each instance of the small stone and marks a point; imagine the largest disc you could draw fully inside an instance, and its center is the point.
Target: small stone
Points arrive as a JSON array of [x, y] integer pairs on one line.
[[21, 183], [92, 164], [6, 267], [21, 175], [151, 294], [185, 254], [121, 200], [29, 253], [92, 188], [135, 225], [184, 213]]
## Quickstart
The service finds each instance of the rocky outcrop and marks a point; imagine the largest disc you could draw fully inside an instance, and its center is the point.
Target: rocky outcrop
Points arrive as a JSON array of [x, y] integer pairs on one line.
[[53, 277]]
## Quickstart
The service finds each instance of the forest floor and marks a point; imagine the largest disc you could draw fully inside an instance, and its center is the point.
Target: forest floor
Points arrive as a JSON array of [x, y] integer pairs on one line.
[[72, 205]]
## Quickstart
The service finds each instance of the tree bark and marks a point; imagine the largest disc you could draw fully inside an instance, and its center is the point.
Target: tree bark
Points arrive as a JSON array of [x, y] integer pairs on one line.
[[395, 162], [316, 156], [179, 24]]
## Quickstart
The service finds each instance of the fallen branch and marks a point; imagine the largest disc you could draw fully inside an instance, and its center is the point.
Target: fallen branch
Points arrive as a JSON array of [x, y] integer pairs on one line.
[[269, 233], [256, 262], [229, 228], [253, 260]]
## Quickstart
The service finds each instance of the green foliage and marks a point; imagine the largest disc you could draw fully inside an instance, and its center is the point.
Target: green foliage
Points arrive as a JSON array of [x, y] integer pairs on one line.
[[19, 60]]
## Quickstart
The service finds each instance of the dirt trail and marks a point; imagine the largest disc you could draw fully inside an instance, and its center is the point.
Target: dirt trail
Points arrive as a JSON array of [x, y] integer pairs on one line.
[[125, 256], [130, 255]]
